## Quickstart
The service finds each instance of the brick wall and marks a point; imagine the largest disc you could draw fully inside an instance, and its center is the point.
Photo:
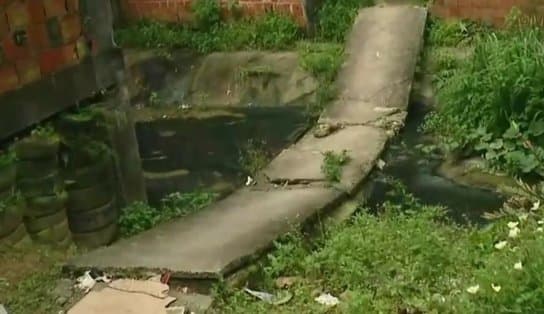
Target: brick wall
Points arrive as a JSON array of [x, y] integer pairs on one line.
[[38, 38], [180, 10], [491, 11]]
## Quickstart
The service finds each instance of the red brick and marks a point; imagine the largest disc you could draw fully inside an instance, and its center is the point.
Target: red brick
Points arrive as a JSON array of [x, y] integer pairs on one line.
[[8, 78], [28, 70], [72, 6], [36, 10], [55, 59], [38, 38], [70, 27], [17, 15], [12, 51], [54, 8]]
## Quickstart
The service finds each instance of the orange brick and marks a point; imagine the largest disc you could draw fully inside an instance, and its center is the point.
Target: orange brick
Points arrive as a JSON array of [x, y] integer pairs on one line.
[[28, 70], [38, 38], [72, 6], [17, 15], [70, 27], [8, 78], [54, 8], [55, 59], [12, 51], [36, 11]]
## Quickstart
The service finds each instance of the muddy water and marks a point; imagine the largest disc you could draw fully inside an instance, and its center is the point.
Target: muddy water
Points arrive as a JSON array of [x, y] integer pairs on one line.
[[405, 162]]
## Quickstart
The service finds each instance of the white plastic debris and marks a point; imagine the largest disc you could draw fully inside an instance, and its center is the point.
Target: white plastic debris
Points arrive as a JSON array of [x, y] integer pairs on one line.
[[380, 164], [279, 299], [86, 282], [327, 299], [250, 181]]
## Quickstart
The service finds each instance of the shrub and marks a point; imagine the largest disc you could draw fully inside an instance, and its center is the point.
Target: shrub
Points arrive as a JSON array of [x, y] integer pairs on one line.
[[492, 104]]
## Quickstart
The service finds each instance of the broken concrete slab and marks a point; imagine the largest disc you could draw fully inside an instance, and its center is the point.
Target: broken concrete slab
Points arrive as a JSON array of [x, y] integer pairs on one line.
[[355, 112], [383, 50], [212, 243], [194, 302], [302, 162]]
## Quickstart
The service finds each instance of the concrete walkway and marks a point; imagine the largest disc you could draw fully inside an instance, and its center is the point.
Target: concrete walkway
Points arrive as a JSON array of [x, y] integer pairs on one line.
[[375, 85]]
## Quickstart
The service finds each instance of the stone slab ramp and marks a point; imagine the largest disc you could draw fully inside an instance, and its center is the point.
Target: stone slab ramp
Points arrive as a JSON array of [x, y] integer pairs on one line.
[[375, 85]]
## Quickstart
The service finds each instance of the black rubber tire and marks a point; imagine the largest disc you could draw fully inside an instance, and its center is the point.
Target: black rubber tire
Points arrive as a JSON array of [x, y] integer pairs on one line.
[[36, 149], [10, 219], [35, 225], [52, 235], [49, 185], [86, 177], [98, 238], [92, 220], [82, 200], [45, 205], [7, 177], [32, 169]]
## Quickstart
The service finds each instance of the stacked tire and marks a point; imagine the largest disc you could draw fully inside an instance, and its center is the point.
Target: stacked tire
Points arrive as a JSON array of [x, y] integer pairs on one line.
[[92, 208], [12, 229], [39, 181]]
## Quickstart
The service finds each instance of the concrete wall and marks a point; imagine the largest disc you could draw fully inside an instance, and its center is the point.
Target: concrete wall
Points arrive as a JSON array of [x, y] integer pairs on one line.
[[53, 53], [180, 10], [492, 11]]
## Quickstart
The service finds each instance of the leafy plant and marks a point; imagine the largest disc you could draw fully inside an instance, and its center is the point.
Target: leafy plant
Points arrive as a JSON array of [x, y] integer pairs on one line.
[[7, 158], [492, 103], [253, 156], [335, 18], [139, 216], [409, 259], [45, 132], [207, 14], [333, 164]]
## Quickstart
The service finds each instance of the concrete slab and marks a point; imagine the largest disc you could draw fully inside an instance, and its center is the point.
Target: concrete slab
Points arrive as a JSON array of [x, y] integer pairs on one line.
[[217, 240], [302, 162], [383, 50]]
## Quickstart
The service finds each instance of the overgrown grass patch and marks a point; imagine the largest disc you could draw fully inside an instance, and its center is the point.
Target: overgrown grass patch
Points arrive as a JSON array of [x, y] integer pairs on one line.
[[139, 216], [491, 104], [408, 259]]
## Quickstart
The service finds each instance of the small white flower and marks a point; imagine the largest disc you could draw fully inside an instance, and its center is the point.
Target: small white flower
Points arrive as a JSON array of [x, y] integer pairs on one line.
[[541, 222], [496, 288], [473, 289], [500, 245], [514, 232], [536, 205], [513, 224], [539, 229], [523, 217], [518, 266]]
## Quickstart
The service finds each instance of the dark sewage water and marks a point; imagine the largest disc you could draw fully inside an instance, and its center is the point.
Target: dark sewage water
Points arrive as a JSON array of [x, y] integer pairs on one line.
[[405, 162]]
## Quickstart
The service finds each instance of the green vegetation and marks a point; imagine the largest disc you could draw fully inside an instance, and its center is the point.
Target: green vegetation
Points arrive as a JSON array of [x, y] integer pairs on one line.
[[491, 103], [333, 165], [139, 216], [7, 158], [335, 18], [254, 157], [28, 277], [409, 258], [45, 132]]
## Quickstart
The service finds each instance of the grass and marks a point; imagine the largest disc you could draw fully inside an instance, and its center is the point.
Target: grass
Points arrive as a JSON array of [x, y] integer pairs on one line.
[[28, 276], [407, 259], [139, 216], [491, 102], [333, 165]]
